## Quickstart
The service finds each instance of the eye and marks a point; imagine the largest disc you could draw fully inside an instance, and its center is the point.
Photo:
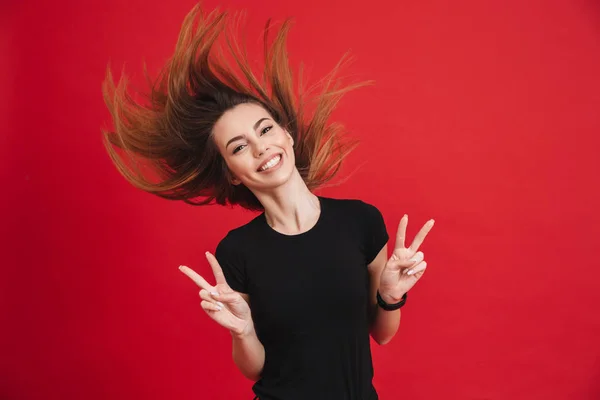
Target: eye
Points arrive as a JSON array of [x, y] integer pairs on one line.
[[265, 130], [238, 148]]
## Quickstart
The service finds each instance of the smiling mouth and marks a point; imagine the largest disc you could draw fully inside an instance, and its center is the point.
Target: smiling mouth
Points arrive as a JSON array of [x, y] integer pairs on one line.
[[270, 164]]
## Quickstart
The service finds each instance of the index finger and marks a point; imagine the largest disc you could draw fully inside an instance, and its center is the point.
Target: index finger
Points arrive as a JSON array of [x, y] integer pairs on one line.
[[401, 233], [414, 247], [198, 280], [217, 271]]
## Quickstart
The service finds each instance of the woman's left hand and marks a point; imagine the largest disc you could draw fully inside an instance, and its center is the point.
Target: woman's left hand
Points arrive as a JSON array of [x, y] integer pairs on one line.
[[406, 265]]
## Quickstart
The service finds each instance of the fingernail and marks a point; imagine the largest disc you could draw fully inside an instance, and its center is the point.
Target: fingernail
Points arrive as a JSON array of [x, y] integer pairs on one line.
[[412, 271], [219, 308], [220, 304], [214, 293]]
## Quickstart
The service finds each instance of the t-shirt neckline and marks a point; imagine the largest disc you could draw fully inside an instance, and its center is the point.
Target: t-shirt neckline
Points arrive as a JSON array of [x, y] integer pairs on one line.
[[307, 232]]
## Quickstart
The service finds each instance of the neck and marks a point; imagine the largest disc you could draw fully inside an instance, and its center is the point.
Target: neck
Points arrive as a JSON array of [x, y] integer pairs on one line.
[[291, 208]]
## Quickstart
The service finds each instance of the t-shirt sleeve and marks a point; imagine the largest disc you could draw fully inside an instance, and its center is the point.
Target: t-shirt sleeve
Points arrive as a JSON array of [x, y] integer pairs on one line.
[[375, 233], [230, 259]]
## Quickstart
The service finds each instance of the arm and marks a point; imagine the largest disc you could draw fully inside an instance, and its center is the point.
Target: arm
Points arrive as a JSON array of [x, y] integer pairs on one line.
[[231, 310], [383, 324], [395, 277], [248, 351]]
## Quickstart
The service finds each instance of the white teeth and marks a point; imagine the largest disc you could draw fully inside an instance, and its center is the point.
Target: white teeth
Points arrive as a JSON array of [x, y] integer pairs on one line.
[[271, 163]]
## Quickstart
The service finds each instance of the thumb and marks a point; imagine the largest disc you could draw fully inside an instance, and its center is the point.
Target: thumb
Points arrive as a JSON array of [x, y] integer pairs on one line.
[[231, 297], [394, 264]]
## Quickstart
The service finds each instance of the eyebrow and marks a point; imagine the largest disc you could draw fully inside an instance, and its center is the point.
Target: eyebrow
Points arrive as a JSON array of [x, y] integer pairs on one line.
[[238, 137]]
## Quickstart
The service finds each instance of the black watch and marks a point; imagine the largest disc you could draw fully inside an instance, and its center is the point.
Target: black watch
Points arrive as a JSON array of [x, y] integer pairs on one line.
[[390, 307]]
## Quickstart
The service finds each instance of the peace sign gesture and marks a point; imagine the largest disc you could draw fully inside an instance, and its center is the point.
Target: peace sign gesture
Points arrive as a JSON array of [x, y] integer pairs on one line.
[[406, 265], [220, 302]]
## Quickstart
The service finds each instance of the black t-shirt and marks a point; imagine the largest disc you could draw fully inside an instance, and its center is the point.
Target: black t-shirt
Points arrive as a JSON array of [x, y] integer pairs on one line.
[[309, 296]]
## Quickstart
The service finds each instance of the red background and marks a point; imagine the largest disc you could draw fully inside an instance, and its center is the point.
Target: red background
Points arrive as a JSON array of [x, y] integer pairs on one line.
[[484, 117]]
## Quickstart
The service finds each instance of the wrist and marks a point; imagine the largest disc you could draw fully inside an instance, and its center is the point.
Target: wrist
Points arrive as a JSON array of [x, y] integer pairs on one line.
[[391, 298], [390, 306], [243, 333]]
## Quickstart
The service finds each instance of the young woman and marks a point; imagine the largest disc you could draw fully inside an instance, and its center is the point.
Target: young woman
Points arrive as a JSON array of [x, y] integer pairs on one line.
[[303, 285]]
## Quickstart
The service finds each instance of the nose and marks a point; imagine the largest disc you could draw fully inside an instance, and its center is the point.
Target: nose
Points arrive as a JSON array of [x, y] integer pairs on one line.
[[260, 148]]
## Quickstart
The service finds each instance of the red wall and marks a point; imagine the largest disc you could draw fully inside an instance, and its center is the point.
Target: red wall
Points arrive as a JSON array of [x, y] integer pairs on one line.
[[484, 117]]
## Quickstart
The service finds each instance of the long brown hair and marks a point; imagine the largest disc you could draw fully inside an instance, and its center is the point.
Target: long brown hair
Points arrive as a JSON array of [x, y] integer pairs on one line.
[[169, 133]]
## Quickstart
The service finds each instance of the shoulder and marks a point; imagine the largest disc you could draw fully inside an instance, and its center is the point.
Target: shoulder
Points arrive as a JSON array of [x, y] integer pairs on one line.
[[356, 207], [359, 216], [237, 237]]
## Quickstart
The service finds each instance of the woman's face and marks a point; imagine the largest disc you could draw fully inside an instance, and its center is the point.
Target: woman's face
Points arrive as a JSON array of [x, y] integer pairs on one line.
[[258, 152]]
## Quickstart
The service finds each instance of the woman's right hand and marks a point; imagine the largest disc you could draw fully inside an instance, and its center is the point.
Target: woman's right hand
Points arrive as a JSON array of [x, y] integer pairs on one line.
[[221, 303]]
